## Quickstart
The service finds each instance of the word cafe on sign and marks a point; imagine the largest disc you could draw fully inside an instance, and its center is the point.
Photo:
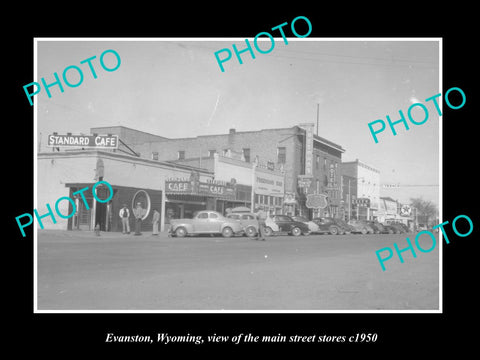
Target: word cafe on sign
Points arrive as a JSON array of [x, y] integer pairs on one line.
[[185, 196]]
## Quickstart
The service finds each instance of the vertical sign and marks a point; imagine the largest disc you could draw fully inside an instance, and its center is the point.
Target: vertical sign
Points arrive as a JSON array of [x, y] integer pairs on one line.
[[308, 148]]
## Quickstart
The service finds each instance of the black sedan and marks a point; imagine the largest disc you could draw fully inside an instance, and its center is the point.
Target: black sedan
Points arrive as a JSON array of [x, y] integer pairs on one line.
[[393, 228], [285, 225], [379, 228], [332, 226]]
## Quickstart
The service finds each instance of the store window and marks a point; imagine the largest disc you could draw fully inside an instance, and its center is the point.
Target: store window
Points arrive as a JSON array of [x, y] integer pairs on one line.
[[246, 154]]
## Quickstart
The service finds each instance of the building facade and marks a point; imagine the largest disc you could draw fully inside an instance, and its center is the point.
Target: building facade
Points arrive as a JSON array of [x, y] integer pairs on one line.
[[309, 163], [360, 190], [256, 186], [133, 180]]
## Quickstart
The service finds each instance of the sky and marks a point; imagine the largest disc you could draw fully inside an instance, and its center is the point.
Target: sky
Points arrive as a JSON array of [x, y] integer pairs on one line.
[[175, 88]]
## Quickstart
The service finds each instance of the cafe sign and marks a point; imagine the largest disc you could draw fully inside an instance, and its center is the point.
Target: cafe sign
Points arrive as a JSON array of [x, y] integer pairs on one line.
[[211, 188], [84, 141]]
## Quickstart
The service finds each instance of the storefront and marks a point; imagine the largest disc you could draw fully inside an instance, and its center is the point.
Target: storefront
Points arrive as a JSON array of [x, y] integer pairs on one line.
[[106, 215], [133, 180], [185, 196], [268, 190]]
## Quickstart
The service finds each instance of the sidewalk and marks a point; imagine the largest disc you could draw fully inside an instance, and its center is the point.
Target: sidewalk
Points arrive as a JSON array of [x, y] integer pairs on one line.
[[91, 234]]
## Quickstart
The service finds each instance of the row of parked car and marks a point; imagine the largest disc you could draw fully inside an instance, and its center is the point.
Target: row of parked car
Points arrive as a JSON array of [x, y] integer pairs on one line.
[[212, 222]]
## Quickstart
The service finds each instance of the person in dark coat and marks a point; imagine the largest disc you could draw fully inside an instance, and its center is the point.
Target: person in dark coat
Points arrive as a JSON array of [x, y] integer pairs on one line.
[[139, 213], [261, 217]]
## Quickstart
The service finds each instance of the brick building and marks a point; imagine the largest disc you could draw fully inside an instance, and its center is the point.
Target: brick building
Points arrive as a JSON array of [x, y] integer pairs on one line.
[[295, 151]]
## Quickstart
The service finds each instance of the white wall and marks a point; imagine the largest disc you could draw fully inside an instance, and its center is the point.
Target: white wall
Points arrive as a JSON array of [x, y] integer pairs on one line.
[[53, 172], [57, 169], [369, 185], [225, 169]]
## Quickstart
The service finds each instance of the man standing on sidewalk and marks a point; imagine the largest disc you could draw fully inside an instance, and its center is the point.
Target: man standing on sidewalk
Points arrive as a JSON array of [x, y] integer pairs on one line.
[[261, 217], [139, 213], [125, 216], [155, 220]]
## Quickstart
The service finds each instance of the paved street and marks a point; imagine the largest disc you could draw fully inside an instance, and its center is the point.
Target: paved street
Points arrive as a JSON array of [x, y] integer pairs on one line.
[[79, 271]]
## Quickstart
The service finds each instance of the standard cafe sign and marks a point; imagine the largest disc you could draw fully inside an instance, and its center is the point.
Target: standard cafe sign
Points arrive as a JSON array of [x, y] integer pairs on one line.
[[90, 141]]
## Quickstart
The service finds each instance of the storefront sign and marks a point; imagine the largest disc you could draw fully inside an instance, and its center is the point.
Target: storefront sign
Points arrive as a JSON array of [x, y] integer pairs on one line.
[[90, 141], [178, 186], [212, 188], [308, 148], [363, 202], [332, 175], [289, 199], [316, 201], [405, 210], [304, 181], [268, 184]]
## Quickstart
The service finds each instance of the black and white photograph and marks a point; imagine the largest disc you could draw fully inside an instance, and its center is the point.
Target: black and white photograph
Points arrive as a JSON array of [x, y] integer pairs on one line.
[[220, 179], [209, 175]]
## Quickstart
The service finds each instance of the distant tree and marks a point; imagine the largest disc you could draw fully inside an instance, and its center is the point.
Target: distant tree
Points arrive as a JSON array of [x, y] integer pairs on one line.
[[425, 209]]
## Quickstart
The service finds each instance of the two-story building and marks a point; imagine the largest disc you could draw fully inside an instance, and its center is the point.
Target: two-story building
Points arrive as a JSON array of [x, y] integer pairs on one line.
[[360, 190]]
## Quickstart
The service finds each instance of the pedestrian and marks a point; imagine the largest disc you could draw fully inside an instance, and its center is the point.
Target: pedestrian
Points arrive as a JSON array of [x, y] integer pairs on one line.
[[261, 217], [139, 213], [125, 216], [155, 220], [97, 229]]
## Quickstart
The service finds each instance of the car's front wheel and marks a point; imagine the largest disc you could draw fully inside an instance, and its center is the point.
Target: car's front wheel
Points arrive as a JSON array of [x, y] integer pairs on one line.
[[227, 232], [296, 231], [180, 232], [268, 231], [250, 231], [333, 230]]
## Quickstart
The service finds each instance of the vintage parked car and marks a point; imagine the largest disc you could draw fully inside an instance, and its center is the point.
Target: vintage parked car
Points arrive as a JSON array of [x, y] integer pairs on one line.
[[248, 221], [397, 229], [332, 226], [286, 225], [311, 225], [377, 227], [205, 222], [401, 227], [422, 227], [404, 227], [360, 226], [390, 229]]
